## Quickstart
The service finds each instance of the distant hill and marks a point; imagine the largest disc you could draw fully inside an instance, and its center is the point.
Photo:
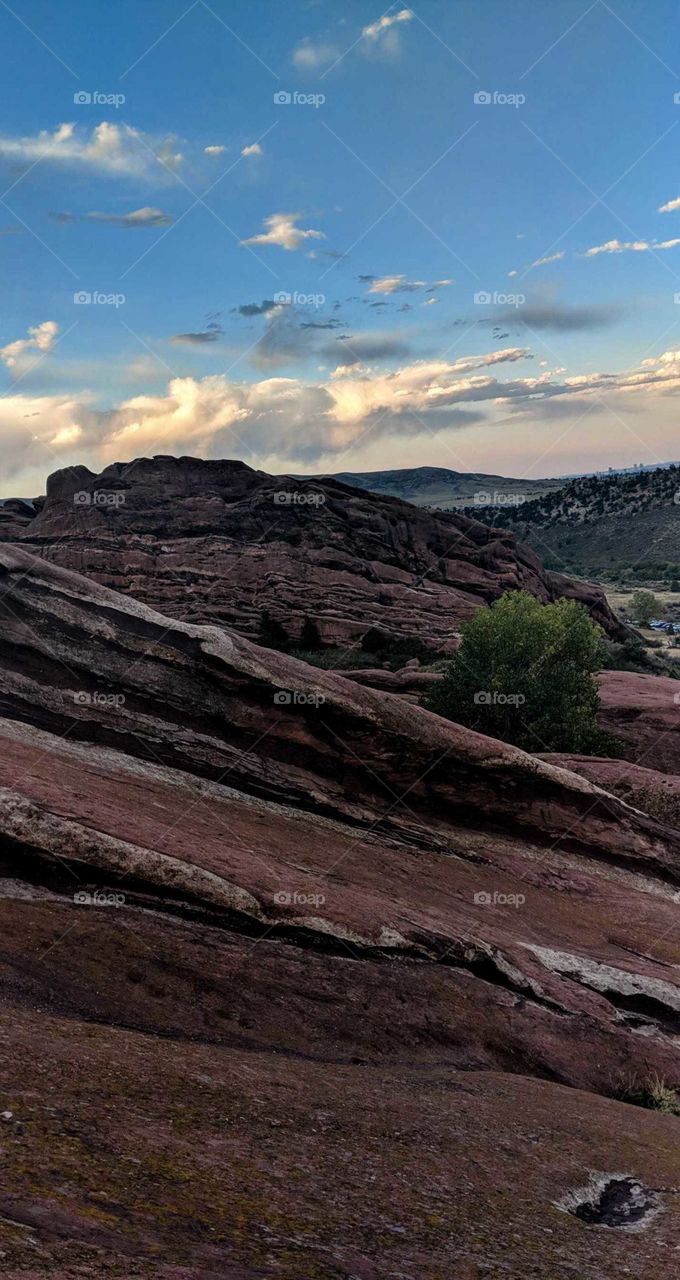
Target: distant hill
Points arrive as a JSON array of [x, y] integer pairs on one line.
[[626, 524], [448, 490]]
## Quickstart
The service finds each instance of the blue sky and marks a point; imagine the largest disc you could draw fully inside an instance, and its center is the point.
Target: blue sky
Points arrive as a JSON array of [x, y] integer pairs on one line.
[[297, 282]]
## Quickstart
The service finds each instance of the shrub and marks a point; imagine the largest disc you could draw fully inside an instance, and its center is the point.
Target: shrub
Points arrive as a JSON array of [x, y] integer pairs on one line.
[[525, 673], [651, 1092]]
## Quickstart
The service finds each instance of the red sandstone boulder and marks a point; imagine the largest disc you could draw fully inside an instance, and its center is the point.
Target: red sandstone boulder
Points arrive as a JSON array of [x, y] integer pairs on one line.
[[644, 714]]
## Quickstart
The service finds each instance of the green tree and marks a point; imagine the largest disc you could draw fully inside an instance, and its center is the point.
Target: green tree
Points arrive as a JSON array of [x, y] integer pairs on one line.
[[644, 606], [525, 673]]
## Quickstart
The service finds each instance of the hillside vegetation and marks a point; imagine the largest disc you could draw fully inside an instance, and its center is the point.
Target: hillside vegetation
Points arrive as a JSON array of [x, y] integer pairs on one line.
[[627, 526]]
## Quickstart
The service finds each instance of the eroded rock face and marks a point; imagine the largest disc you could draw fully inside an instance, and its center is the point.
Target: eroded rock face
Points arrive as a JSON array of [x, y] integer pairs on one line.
[[276, 971], [217, 541], [644, 713], [655, 793]]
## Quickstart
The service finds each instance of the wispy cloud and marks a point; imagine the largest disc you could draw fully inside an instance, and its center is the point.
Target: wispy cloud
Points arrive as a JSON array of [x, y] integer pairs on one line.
[[400, 284], [630, 246], [383, 36], [146, 217], [543, 262], [310, 54]]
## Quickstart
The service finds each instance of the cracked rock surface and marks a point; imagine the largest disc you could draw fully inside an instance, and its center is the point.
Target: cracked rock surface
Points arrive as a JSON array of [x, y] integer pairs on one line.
[[314, 989]]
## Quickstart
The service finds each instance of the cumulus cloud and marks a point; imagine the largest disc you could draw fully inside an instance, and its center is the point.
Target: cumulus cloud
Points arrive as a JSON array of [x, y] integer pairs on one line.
[[145, 217], [253, 150], [287, 420], [41, 339], [213, 150], [111, 149], [630, 246], [670, 206], [282, 230]]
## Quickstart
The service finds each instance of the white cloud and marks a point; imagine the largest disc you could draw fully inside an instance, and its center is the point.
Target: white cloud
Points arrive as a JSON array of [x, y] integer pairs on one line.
[[109, 148], [381, 35], [253, 150], [310, 55], [400, 284], [671, 206], [553, 257], [287, 422], [282, 231], [40, 339], [630, 246], [214, 150]]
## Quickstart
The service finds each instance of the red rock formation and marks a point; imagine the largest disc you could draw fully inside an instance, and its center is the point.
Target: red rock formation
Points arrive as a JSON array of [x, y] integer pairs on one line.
[[644, 714], [275, 970], [217, 541]]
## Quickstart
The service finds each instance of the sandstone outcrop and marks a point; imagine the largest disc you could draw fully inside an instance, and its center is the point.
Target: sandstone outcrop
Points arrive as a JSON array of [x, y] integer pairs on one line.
[[294, 973], [216, 541]]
